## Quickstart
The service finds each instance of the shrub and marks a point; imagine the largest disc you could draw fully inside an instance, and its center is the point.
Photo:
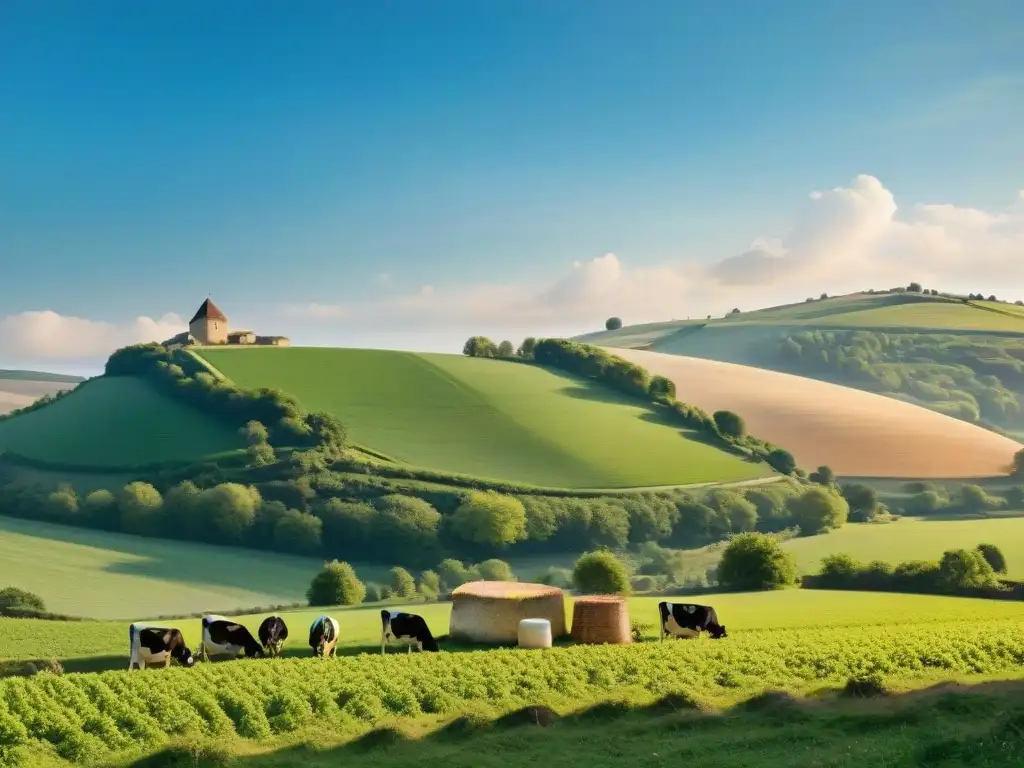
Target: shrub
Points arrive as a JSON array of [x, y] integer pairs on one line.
[[140, 506], [298, 533], [993, 556], [729, 424], [823, 475], [839, 571], [817, 510], [643, 583], [781, 461], [495, 570], [556, 577], [453, 574], [601, 573], [490, 518], [965, 569], [374, 592], [13, 599], [402, 583], [429, 585], [336, 584], [755, 561], [613, 324]]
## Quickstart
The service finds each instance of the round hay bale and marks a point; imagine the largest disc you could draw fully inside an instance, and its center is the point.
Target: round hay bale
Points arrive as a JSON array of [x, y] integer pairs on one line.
[[534, 633], [601, 619], [490, 611]]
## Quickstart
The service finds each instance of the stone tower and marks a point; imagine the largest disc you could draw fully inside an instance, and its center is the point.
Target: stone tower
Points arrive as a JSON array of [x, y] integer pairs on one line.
[[210, 325]]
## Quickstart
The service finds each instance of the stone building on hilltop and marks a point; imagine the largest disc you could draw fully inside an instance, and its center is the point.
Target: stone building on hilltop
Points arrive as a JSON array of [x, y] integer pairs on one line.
[[209, 326]]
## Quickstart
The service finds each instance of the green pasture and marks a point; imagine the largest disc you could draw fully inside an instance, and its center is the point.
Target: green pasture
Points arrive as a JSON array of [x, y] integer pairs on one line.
[[489, 418], [96, 574], [121, 421], [98, 645]]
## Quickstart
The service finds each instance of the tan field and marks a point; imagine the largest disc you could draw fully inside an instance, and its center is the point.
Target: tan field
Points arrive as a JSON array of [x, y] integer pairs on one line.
[[17, 393], [11, 400], [857, 434]]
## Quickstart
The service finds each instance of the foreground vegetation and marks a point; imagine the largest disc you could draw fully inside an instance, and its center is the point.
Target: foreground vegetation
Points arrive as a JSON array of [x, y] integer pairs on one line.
[[945, 725], [88, 717]]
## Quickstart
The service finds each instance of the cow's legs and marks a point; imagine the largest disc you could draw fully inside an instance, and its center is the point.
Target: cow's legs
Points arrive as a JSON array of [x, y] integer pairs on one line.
[[383, 641], [408, 648], [167, 661]]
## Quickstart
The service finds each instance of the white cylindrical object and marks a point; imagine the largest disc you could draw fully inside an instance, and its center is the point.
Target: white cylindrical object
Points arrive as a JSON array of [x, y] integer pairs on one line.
[[534, 633]]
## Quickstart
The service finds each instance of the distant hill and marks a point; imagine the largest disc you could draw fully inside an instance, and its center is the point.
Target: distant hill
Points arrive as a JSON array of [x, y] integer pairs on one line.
[[960, 357], [40, 376], [21, 388]]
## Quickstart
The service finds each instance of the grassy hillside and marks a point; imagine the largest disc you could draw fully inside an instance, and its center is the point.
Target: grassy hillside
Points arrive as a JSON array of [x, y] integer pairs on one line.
[[853, 432], [484, 417], [115, 422], [103, 644]]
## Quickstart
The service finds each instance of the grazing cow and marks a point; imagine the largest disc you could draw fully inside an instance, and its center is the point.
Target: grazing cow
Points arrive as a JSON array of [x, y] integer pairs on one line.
[[406, 628], [223, 637], [272, 634], [323, 636], [152, 645], [689, 620]]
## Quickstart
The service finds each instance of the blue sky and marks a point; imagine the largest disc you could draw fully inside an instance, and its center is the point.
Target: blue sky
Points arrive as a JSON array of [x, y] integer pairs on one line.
[[285, 154]]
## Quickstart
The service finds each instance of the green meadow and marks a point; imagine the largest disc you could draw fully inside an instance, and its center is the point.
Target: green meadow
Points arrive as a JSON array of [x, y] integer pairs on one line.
[[114, 422], [488, 418]]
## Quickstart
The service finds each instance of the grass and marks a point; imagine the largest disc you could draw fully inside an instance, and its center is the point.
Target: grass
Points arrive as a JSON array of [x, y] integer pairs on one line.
[[98, 717], [101, 645], [120, 421], [81, 572], [853, 432], [488, 418]]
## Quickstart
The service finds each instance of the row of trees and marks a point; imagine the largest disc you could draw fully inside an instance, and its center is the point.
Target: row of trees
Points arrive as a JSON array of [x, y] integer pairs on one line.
[[481, 346], [974, 378], [178, 374]]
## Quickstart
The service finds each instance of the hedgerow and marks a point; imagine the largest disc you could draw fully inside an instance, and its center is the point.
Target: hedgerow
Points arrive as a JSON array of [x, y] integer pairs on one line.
[[93, 716]]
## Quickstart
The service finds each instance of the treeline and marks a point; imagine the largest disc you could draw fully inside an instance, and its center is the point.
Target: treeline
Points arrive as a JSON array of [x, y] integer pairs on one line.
[[968, 499], [959, 572], [970, 377], [180, 375], [294, 507], [591, 362]]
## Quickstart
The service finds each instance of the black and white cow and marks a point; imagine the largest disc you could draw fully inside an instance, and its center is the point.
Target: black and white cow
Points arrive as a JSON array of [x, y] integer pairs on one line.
[[406, 628], [323, 636], [272, 634], [153, 645], [223, 637], [689, 620]]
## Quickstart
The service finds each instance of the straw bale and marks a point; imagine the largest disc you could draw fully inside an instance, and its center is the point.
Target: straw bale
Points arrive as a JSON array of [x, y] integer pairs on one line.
[[490, 611], [601, 619]]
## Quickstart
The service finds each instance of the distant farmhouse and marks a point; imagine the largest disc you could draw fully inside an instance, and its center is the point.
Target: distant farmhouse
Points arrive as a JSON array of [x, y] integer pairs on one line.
[[209, 326]]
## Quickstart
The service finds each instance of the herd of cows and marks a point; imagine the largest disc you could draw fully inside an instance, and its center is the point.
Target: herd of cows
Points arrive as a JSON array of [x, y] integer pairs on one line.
[[222, 637]]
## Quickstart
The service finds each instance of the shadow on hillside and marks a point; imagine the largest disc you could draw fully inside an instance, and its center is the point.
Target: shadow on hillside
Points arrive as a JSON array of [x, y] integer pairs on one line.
[[948, 724], [963, 518]]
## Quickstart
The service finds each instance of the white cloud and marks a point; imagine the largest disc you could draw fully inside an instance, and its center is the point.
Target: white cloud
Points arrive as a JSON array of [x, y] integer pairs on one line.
[[47, 335], [841, 239]]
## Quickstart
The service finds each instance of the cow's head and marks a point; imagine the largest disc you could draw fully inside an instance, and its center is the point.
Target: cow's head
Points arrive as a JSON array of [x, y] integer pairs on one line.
[[717, 631], [185, 657]]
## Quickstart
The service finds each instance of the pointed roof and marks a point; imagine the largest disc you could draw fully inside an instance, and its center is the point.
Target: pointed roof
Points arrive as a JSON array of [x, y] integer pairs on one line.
[[208, 311]]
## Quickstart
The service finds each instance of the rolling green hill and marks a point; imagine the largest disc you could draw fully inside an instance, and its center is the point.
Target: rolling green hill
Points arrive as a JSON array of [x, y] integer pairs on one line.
[[965, 360], [114, 422], [488, 418]]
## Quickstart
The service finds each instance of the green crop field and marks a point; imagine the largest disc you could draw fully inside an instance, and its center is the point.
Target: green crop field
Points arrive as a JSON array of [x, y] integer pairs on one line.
[[91, 717], [487, 418], [119, 421]]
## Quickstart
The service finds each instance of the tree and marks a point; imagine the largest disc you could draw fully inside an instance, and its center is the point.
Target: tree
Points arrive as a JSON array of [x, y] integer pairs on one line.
[[662, 389], [838, 571], [613, 324], [299, 533], [62, 503], [336, 584], [13, 600], [429, 585], [260, 455], [140, 505], [402, 583], [755, 561], [495, 570], [506, 350], [735, 311], [407, 525], [525, 350], [781, 461], [993, 556], [817, 510], [965, 569], [914, 288], [254, 433], [741, 513], [100, 506], [824, 296], [479, 346], [346, 525], [973, 499], [863, 500], [601, 573], [490, 518], [729, 424], [1017, 468], [453, 574], [822, 476], [229, 509]]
